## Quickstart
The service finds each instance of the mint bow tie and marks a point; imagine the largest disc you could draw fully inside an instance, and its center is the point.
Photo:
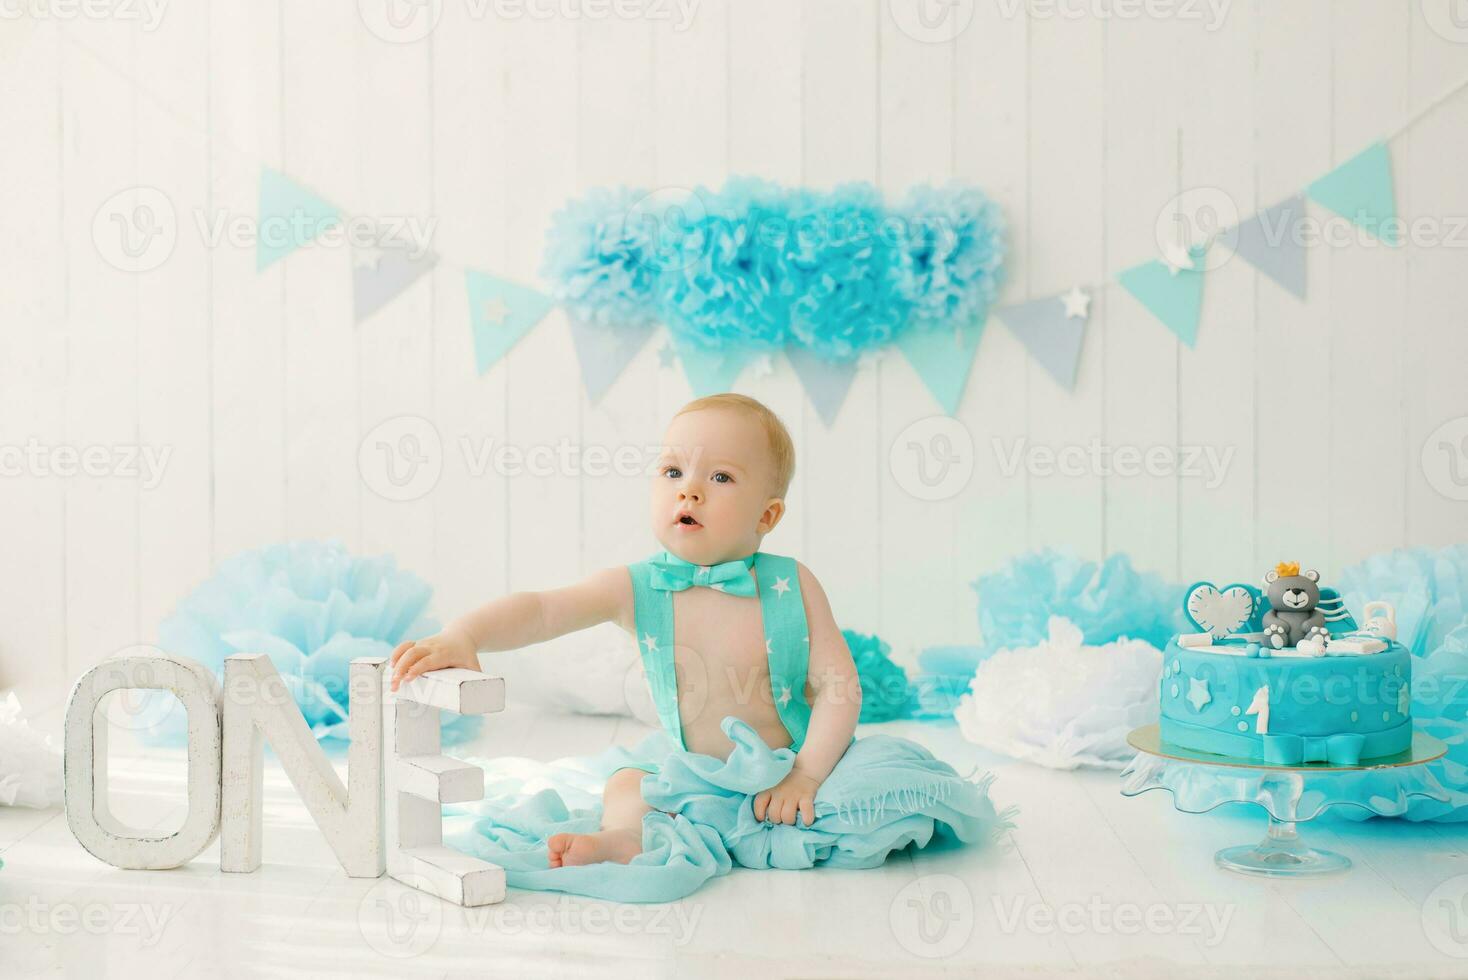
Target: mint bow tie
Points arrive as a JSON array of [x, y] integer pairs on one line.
[[672, 574]]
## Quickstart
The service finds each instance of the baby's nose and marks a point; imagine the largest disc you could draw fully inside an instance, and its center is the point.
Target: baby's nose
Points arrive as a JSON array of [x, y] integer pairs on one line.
[[693, 495]]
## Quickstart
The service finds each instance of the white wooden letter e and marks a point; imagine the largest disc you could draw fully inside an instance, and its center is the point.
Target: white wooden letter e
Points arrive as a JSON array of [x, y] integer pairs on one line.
[[420, 780]]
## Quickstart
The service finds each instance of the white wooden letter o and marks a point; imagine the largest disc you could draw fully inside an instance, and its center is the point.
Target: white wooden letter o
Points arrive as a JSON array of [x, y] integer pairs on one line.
[[87, 810]]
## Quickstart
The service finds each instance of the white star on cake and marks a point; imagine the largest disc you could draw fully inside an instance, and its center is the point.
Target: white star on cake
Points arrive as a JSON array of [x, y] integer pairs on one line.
[[1198, 694]]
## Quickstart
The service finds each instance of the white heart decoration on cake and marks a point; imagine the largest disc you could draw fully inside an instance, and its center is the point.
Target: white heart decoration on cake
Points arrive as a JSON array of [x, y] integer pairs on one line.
[[1220, 613]]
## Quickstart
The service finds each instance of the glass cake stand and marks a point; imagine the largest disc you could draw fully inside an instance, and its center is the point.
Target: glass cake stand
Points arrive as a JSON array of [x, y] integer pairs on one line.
[[1199, 782]]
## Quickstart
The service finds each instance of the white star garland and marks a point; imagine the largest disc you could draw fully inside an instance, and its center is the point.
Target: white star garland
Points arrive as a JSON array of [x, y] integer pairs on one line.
[[1077, 304]]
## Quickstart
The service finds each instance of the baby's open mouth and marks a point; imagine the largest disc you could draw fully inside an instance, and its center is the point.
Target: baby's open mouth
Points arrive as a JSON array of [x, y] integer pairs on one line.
[[687, 520]]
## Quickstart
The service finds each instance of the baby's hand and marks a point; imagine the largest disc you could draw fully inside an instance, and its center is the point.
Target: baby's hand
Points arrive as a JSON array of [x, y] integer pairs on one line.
[[450, 648], [796, 793]]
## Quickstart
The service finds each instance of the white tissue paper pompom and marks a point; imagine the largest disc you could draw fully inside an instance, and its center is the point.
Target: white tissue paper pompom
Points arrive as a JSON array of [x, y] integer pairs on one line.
[[30, 766], [1063, 704], [597, 671]]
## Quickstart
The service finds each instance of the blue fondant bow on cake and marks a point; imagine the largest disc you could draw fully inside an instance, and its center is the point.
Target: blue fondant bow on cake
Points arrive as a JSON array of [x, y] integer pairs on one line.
[[1291, 750], [672, 574]]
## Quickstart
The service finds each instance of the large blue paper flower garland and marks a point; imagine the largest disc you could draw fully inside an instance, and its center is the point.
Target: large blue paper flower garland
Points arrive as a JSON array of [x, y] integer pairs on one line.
[[759, 267]]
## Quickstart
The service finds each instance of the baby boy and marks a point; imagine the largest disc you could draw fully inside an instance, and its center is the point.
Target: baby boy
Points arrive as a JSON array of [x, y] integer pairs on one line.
[[718, 488]]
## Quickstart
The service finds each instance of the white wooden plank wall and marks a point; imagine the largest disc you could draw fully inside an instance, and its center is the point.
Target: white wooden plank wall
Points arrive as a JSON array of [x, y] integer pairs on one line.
[[261, 387]]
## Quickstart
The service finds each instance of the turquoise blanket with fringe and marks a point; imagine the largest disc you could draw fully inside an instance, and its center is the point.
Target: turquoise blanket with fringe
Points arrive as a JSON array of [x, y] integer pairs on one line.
[[885, 794]]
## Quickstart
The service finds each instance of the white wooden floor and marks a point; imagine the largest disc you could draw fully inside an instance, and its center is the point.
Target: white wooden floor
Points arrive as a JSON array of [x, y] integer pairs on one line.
[[1090, 883]]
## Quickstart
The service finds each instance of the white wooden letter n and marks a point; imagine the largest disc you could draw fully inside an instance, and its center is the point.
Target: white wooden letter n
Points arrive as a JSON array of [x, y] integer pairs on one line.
[[257, 703]]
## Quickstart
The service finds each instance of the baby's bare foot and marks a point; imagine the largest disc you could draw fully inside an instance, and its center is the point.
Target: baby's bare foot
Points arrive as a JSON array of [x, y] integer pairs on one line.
[[569, 850]]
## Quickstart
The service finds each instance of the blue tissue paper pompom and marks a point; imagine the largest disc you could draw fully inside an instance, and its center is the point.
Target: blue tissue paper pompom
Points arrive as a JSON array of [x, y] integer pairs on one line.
[[1429, 589], [1427, 586], [1440, 708], [885, 692], [754, 266], [729, 282], [604, 253], [954, 255], [945, 673], [889, 694], [845, 254], [312, 608], [1106, 602]]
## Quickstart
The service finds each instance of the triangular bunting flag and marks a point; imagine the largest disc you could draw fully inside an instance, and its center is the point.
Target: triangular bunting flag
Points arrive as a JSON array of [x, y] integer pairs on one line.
[[605, 351], [942, 358], [380, 274], [500, 313], [1361, 190], [1049, 333], [290, 216], [825, 382], [1174, 296], [709, 370], [1273, 242]]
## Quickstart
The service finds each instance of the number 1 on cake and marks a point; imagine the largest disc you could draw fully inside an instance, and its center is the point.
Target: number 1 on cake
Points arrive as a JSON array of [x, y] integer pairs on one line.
[[1260, 706]]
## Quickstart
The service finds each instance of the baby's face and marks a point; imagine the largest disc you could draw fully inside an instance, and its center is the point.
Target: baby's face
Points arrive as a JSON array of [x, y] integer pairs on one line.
[[712, 492]]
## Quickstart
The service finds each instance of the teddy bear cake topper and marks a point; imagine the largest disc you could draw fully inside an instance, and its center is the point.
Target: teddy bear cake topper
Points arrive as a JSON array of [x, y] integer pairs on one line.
[[1292, 615]]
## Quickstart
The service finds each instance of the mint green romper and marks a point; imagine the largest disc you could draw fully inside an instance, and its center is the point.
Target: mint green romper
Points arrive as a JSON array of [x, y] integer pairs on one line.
[[787, 638]]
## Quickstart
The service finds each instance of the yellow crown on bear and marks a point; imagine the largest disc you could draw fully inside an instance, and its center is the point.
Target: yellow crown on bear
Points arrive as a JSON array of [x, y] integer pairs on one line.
[[1287, 568]]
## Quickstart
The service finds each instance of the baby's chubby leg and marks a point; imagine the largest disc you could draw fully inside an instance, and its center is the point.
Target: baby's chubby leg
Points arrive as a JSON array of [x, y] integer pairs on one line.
[[620, 837]]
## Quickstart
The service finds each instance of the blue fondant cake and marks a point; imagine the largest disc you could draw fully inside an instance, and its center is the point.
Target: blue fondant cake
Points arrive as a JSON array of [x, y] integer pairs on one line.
[[1279, 676]]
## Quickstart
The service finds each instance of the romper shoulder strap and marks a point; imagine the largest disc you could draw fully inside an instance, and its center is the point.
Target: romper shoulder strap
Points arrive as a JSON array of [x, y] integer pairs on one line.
[[788, 640], [652, 611]]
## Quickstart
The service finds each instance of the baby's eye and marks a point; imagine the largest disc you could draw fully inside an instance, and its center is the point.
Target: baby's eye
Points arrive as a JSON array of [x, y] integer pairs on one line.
[[722, 477], [672, 472]]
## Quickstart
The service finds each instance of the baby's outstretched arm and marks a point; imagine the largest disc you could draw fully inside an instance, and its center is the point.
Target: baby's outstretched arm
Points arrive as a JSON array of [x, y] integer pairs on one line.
[[834, 710], [516, 620]]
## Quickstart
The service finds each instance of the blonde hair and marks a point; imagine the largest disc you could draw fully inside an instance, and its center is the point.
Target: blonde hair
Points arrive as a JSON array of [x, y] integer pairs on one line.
[[782, 450]]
